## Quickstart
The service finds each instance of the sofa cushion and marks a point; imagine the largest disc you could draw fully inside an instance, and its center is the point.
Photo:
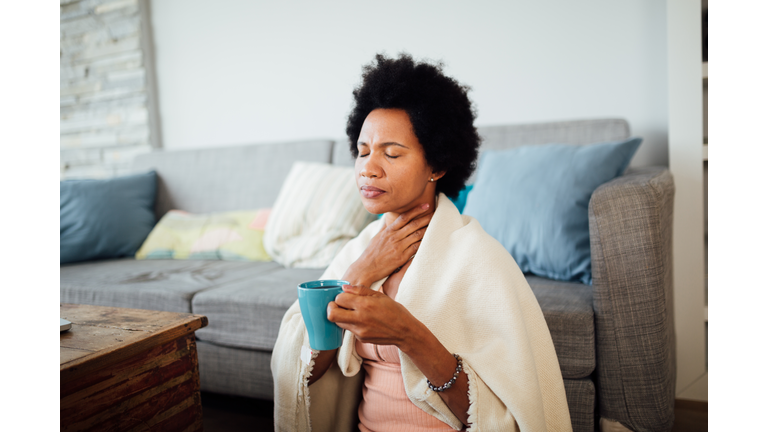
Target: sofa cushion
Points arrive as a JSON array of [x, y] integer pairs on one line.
[[543, 219], [582, 400], [461, 199], [235, 371], [235, 236], [342, 155], [317, 212], [567, 308], [247, 313], [166, 285], [105, 218]]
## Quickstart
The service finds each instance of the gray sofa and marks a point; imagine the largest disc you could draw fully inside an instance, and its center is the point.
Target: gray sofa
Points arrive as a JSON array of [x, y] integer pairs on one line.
[[614, 340]]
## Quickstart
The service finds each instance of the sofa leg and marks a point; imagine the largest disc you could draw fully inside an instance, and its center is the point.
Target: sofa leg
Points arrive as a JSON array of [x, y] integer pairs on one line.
[[612, 426]]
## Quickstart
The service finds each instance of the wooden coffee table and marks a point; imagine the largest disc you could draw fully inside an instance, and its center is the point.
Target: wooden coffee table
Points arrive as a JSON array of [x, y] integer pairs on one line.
[[129, 369]]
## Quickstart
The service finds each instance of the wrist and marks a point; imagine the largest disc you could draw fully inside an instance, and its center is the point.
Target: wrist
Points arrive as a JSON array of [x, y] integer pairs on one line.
[[356, 275], [416, 337]]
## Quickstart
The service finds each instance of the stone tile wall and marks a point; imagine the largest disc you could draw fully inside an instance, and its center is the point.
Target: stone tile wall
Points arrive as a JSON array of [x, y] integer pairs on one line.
[[106, 100]]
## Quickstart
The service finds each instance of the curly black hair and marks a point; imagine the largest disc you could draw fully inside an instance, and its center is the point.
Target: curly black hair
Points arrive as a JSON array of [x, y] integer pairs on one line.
[[438, 107]]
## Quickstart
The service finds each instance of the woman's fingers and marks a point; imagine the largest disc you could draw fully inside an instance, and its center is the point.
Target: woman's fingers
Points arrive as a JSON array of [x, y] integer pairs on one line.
[[373, 318], [357, 290], [413, 248], [409, 216], [413, 240], [346, 300], [417, 235], [417, 224], [352, 296], [339, 315]]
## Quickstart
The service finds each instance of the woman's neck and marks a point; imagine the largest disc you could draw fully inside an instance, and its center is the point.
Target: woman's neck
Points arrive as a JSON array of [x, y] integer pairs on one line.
[[390, 217]]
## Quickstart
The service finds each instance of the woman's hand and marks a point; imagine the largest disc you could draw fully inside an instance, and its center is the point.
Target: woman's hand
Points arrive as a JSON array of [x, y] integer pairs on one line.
[[376, 318], [372, 316], [392, 247]]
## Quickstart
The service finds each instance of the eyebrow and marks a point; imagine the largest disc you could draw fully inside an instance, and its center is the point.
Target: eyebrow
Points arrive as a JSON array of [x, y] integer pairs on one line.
[[386, 144]]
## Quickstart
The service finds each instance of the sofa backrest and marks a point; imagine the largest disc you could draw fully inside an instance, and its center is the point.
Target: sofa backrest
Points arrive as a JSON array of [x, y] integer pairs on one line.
[[250, 177], [341, 155], [577, 132], [230, 178]]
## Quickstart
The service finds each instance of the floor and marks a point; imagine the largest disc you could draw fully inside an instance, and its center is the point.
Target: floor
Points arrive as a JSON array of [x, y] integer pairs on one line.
[[222, 413], [234, 414], [690, 416]]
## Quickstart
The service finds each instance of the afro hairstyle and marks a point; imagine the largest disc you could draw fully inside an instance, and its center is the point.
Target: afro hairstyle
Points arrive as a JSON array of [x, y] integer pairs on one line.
[[441, 114]]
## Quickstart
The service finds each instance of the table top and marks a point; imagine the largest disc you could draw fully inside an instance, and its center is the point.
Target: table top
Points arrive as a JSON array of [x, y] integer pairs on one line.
[[102, 335]]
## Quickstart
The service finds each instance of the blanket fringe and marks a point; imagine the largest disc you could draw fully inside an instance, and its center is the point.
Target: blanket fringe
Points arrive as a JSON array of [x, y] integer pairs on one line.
[[472, 394], [305, 388]]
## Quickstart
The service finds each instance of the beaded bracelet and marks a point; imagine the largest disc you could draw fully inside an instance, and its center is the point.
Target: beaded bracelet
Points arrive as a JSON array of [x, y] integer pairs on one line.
[[448, 385]]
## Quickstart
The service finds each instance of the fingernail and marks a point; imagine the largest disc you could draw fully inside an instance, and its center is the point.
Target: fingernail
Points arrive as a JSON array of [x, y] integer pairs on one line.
[[424, 206]]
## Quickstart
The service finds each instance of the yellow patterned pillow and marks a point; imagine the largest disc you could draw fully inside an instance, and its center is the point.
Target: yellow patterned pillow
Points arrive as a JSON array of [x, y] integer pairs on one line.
[[235, 235]]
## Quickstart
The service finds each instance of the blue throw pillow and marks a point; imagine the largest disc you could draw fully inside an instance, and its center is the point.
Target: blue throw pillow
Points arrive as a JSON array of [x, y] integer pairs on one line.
[[461, 200], [105, 218], [534, 200]]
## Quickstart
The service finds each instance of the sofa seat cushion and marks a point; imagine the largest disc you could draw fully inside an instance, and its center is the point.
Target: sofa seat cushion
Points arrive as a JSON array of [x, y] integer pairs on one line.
[[167, 285], [235, 371], [567, 308], [248, 313], [582, 401]]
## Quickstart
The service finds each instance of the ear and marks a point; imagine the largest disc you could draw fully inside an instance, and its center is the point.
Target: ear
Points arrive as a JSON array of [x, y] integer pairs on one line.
[[437, 175]]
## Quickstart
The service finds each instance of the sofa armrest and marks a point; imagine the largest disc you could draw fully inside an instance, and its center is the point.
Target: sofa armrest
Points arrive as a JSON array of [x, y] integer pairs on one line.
[[630, 224]]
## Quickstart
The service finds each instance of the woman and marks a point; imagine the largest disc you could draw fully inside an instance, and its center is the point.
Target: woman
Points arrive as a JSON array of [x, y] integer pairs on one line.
[[437, 314]]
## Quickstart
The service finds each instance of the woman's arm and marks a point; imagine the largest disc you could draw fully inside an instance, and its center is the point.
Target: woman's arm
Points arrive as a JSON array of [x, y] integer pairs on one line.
[[375, 318], [438, 365], [392, 247], [323, 361]]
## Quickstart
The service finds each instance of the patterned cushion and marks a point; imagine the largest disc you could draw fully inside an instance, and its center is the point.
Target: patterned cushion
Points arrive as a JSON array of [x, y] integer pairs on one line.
[[222, 236]]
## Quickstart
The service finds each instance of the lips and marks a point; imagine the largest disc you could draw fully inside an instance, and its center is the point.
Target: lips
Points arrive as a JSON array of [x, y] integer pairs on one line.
[[370, 191]]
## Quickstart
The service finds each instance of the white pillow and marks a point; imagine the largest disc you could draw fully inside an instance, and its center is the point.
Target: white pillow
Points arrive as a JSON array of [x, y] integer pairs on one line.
[[316, 213]]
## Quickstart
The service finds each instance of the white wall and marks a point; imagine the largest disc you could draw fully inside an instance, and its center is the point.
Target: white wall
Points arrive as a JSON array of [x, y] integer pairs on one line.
[[686, 140], [238, 72]]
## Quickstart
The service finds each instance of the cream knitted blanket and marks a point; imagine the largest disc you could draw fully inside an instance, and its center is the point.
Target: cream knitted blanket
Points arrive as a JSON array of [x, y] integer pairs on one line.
[[468, 290]]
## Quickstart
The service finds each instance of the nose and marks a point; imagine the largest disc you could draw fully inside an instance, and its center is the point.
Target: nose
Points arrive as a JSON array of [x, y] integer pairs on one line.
[[369, 167]]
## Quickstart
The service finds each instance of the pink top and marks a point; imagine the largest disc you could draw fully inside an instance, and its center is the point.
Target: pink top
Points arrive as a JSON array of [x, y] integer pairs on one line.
[[385, 405]]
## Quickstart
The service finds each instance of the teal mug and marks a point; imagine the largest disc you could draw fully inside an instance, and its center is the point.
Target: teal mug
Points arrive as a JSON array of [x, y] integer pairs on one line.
[[314, 297]]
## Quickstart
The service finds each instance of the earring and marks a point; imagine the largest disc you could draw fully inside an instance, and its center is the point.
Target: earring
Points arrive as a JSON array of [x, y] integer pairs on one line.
[[432, 179]]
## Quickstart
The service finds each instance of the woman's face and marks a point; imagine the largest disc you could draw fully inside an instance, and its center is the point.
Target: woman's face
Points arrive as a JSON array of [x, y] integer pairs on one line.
[[391, 169]]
